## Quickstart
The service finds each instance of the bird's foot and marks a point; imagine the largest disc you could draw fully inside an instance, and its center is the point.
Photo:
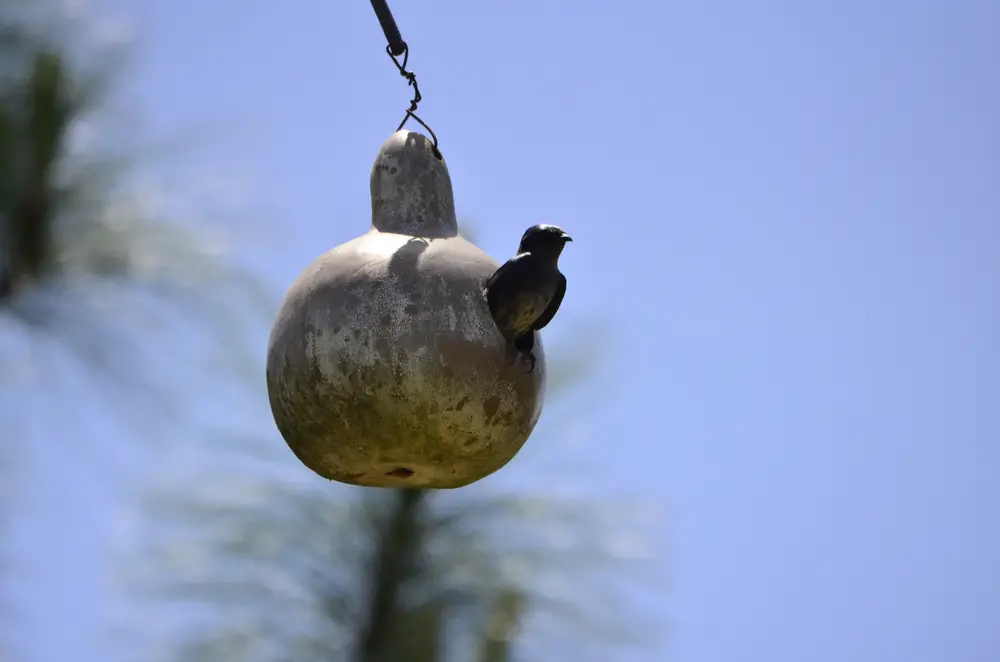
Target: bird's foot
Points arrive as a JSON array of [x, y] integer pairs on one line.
[[526, 359], [512, 354], [528, 362]]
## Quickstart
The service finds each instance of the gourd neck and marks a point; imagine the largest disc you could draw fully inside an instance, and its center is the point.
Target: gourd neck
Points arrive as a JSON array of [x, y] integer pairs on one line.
[[411, 189]]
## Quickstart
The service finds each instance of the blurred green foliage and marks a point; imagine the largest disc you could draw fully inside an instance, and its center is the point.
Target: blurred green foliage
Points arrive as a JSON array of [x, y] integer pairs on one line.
[[96, 264]]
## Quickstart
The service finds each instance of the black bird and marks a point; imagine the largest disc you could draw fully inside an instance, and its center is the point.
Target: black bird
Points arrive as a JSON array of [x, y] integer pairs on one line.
[[524, 294]]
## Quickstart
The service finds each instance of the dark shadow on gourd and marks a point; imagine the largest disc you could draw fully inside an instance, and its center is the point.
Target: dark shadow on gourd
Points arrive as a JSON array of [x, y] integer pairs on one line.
[[403, 263]]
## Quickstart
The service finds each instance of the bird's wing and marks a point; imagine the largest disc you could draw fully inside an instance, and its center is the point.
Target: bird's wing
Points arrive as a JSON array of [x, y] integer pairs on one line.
[[550, 312], [505, 269]]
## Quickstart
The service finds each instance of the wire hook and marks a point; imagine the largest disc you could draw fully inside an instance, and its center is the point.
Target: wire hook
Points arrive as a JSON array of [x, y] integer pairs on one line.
[[411, 80], [396, 48]]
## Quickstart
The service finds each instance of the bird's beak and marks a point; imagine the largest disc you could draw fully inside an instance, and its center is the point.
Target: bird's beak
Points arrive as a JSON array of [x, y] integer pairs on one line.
[[566, 237]]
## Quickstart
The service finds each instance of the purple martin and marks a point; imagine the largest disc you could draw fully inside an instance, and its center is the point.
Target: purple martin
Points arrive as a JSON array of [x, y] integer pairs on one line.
[[524, 294]]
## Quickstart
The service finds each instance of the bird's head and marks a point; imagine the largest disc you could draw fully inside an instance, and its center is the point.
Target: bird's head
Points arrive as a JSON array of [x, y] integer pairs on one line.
[[544, 240]]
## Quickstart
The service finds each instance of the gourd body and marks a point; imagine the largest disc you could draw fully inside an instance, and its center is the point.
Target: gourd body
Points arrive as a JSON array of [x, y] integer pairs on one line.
[[385, 367]]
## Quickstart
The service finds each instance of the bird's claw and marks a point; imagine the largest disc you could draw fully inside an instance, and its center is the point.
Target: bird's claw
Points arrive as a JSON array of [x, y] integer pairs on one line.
[[527, 359], [530, 360]]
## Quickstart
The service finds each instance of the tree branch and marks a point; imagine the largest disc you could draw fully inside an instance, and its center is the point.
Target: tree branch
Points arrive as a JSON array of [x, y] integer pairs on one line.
[[395, 553]]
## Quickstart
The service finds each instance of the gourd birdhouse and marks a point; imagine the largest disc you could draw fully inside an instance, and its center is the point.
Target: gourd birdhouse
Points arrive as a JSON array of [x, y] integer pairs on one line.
[[384, 366]]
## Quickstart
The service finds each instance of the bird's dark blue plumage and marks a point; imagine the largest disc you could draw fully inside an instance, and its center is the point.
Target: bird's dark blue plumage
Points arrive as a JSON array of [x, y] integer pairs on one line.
[[525, 293]]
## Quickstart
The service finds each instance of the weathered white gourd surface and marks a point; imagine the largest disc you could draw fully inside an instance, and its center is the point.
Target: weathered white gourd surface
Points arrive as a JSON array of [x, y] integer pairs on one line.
[[384, 366]]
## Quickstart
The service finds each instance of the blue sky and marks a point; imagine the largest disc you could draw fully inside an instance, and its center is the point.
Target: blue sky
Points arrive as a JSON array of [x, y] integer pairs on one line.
[[789, 215]]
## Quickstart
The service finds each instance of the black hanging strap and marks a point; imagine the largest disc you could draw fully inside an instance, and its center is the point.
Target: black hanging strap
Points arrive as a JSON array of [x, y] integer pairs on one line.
[[396, 44]]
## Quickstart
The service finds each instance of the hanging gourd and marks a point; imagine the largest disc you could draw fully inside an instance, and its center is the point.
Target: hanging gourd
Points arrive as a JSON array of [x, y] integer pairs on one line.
[[386, 366]]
